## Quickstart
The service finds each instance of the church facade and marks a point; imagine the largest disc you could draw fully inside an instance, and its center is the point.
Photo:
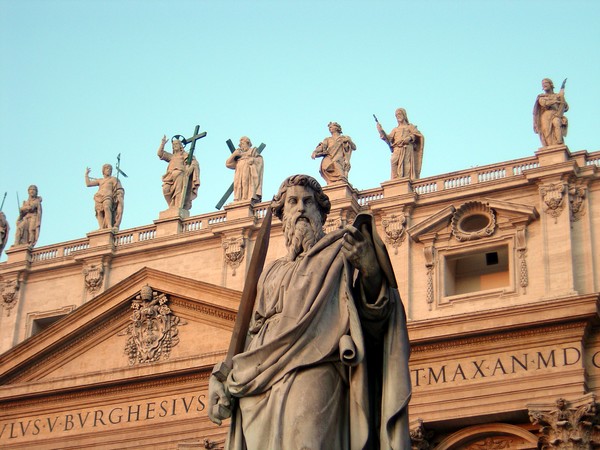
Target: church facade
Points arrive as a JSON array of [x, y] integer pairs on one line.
[[108, 341]]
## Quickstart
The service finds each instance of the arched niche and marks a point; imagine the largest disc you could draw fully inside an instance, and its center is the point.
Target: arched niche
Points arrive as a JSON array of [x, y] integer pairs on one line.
[[472, 436]]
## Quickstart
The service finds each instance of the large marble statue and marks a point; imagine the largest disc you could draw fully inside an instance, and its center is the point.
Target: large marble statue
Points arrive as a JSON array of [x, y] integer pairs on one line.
[[4, 229], [182, 179], [30, 218], [406, 144], [325, 364], [249, 166], [109, 198], [548, 114], [336, 152]]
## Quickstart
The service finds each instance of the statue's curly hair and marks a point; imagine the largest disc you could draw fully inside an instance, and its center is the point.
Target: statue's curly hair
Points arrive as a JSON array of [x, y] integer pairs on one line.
[[323, 203]]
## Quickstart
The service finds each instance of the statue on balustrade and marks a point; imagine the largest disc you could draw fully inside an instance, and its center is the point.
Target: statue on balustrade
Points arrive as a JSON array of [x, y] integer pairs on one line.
[[109, 199], [336, 151], [182, 178], [549, 120], [249, 166], [406, 144], [325, 361], [30, 219], [4, 229]]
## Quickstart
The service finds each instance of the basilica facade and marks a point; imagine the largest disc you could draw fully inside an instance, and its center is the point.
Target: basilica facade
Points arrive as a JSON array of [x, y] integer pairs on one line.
[[108, 341]]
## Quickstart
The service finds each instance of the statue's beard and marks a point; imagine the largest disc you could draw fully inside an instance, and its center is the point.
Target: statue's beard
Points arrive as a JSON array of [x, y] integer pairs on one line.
[[301, 233]]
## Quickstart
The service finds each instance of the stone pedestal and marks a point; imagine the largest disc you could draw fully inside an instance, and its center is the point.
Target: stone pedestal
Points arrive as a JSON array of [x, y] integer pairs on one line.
[[239, 210], [19, 254], [553, 154]]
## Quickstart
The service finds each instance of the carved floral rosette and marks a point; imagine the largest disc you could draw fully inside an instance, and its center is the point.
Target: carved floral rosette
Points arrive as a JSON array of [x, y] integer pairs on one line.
[[473, 220], [153, 329], [394, 228], [553, 199], [9, 290], [234, 252], [93, 275]]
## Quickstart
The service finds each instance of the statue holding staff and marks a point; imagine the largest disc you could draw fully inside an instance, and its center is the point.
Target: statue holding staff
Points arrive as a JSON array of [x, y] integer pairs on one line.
[[549, 120]]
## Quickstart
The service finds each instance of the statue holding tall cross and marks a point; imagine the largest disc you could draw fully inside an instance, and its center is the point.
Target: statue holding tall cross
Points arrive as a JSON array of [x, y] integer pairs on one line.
[[182, 179], [248, 165], [4, 228]]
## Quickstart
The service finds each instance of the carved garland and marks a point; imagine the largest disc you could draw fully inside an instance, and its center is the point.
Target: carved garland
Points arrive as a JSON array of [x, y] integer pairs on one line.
[[577, 194], [428, 252], [153, 331]]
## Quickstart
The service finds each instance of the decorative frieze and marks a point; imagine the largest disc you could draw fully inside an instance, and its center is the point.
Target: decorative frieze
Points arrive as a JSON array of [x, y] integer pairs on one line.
[[395, 230], [153, 329], [9, 290], [234, 252]]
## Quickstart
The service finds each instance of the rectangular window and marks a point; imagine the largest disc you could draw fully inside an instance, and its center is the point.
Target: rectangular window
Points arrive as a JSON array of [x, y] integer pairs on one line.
[[475, 271], [43, 323]]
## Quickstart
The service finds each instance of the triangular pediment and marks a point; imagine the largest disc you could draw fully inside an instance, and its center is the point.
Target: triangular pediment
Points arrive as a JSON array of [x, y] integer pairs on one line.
[[104, 341], [508, 212]]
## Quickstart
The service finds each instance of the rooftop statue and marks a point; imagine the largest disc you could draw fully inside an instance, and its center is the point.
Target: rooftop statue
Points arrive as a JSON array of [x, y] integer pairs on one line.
[[109, 199], [4, 229], [336, 152], [406, 144], [30, 219], [548, 114], [249, 166], [182, 178], [325, 361]]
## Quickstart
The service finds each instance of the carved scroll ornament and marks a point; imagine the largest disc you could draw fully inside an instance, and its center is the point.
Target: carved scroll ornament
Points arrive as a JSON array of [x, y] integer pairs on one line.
[[473, 220], [553, 199], [93, 275]]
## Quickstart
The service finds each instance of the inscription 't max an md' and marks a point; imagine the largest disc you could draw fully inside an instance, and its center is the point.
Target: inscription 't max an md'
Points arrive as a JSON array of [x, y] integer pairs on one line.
[[496, 366]]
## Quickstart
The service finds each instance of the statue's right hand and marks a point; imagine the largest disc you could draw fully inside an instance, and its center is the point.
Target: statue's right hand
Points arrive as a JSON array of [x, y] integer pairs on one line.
[[163, 140], [87, 170], [219, 401]]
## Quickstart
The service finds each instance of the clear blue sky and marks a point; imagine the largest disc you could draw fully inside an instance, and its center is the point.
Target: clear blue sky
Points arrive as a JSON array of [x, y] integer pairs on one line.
[[81, 81]]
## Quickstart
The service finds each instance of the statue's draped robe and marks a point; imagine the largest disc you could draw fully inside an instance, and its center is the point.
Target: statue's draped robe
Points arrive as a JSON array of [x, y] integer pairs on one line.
[[294, 390], [248, 178], [406, 159], [548, 119], [114, 195], [28, 225], [336, 152], [174, 180]]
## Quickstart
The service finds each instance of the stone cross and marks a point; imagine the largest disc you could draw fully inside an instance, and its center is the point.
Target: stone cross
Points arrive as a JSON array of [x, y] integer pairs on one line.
[[188, 161]]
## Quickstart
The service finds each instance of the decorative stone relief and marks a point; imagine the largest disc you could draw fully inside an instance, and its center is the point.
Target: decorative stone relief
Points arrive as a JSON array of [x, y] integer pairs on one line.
[[553, 198], [577, 194], [473, 220], [521, 247], [213, 445], [567, 427], [9, 290], [93, 275], [420, 437], [153, 329], [332, 224], [428, 252], [495, 443], [234, 252], [395, 230]]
